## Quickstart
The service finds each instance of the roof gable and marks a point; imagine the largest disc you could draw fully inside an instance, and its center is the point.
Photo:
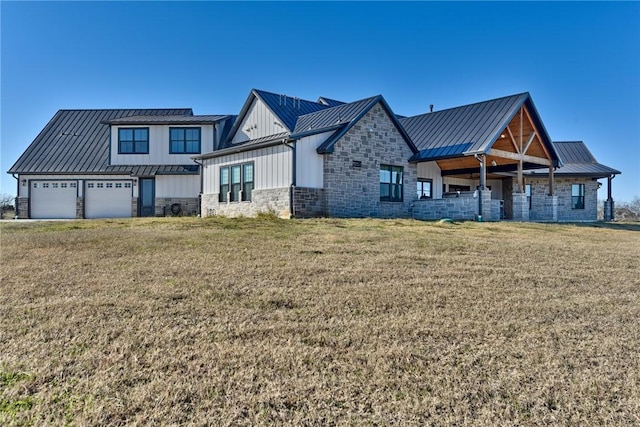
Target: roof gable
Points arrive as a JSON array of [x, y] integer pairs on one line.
[[356, 111], [77, 141], [287, 108], [469, 129]]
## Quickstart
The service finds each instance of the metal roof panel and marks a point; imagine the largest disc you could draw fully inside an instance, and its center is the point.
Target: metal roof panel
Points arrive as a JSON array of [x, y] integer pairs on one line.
[[77, 141]]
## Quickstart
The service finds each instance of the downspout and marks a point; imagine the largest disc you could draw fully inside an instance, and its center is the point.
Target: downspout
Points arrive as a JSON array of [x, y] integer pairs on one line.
[[612, 211], [17, 212], [201, 186], [292, 188]]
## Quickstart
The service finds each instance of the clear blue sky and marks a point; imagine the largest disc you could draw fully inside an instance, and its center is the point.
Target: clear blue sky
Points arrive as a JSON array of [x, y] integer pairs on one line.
[[580, 62]]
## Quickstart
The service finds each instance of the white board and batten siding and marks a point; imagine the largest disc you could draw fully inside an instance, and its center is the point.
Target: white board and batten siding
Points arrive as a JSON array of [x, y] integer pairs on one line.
[[272, 168], [431, 170], [159, 146], [257, 123], [310, 164], [177, 185]]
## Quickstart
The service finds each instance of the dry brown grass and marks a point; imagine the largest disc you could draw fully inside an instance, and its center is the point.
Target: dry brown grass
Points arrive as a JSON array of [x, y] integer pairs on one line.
[[318, 322]]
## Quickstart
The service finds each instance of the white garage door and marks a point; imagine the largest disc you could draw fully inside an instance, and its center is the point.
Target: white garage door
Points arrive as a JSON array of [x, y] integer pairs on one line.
[[107, 199], [53, 199]]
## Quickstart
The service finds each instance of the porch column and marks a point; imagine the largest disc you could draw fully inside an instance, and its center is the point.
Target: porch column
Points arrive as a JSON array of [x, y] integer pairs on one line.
[[609, 208], [483, 183], [551, 179]]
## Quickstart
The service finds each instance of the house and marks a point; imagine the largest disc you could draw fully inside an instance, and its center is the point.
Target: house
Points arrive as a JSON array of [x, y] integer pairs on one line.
[[490, 160], [116, 163]]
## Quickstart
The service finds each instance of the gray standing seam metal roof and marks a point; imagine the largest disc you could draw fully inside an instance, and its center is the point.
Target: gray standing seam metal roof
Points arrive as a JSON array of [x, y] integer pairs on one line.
[[330, 102], [468, 129], [577, 160], [140, 120], [77, 141], [330, 118]]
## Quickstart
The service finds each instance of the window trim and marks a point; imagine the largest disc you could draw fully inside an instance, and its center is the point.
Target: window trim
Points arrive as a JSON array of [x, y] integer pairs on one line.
[[242, 194], [575, 205], [423, 181], [184, 139], [390, 198], [120, 151]]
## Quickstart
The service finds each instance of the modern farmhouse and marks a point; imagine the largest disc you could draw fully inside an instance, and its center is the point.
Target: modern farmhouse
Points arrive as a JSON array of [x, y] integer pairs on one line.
[[488, 161]]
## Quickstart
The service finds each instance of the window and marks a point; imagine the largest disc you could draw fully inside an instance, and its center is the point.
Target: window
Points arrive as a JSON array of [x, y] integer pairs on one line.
[[237, 182], [73, 185], [118, 185], [224, 184], [577, 196], [247, 181], [100, 185], [35, 185], [90, 185], [133, 140], [184, 140], [390, 183], [109, 184], [45, 185], [54, 185], [527, 189], [424, 188], [127, 185], [63, 185]]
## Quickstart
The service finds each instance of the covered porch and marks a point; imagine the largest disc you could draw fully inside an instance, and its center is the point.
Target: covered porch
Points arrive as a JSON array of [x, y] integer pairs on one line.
[[487, 181]]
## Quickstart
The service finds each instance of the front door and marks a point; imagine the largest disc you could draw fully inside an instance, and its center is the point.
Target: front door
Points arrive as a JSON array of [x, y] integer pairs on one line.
[[147, 197]]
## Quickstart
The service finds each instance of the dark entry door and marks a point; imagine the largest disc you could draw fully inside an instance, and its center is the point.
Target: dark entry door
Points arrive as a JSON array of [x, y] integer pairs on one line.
[[147, 197]]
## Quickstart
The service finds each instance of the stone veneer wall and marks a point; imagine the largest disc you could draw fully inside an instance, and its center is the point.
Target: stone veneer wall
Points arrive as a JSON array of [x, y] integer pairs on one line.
[[562, 189], [262, 201], [190, 205], [79, 207], [309, 202], [609, 210], [354, 191], [22, 203], [520, 207], [456, 208], [461, 208], [134, 207]]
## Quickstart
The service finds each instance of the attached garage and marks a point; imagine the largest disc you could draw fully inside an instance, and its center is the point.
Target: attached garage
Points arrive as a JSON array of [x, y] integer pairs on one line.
[[53, 199], [107, 199]]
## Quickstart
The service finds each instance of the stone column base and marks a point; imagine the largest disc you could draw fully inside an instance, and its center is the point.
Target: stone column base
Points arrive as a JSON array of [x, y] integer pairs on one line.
[[520, 207], [609, 210]]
